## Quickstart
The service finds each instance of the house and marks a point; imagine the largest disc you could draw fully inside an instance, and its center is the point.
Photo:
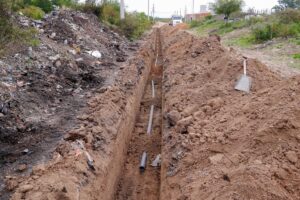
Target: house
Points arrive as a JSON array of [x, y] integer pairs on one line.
[[196, 16]]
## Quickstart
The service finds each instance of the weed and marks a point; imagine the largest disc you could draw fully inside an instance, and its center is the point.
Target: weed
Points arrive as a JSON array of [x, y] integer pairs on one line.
[[296, 56], [244, 41], [33, 12]]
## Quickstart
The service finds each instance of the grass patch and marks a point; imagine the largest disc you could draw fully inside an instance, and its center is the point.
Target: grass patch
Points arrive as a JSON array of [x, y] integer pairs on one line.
[[296, 56], [295, 41], [33, 12], [244, 41], [220, 27], [18, 37]]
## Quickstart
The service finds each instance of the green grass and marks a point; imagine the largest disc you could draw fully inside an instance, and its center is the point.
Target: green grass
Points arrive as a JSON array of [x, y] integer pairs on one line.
[[295, 41], [296, 56], [217, 26], [244, 41], [208, 26]]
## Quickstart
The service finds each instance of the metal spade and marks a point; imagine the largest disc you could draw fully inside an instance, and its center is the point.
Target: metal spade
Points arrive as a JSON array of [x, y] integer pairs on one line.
[[244, 83]]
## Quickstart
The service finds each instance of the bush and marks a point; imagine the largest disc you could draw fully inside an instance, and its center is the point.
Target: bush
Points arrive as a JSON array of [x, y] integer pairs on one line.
[[296, 56], [110, 12], [88, 8], [5, 23], [289, 16], [262, 32], [195, 23], [209, 17], [61, 3], [33, 12], [286, 30], [45, 5], [135, 24], [254, 20]]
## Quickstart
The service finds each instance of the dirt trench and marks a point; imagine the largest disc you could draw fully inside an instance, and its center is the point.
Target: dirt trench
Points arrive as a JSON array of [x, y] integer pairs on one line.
[[137, 183]]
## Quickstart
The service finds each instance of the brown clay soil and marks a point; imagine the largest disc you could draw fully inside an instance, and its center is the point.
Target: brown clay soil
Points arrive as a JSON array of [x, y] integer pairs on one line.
[[219, 143], [215, 142], [137, 184]]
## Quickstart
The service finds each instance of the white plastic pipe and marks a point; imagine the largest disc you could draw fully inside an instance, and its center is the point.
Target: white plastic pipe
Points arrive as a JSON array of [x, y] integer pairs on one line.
[[150, 120], [153, 89]]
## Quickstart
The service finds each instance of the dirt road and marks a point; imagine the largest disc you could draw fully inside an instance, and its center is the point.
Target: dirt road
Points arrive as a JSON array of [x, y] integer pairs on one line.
[[215, 142]]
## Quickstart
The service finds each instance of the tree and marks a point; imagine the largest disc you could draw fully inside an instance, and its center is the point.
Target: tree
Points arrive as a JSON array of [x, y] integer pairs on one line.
[[227, 7], [284, 4]]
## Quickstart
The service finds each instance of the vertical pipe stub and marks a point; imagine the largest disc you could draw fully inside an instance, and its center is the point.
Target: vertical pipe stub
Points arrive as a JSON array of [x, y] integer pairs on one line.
[[143, 162]]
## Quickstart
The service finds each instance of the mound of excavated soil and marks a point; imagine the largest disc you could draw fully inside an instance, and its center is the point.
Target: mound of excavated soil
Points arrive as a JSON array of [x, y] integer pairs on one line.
[[44, 88], [219, 143]]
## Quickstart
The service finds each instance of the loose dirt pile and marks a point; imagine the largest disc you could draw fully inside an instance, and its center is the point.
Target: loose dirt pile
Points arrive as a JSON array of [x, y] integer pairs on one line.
[[44, 88], [219, 143]]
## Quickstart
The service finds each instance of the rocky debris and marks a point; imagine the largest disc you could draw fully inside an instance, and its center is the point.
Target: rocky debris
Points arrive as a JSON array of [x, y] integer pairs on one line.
[[173, 117], [44, 87], [22, 167], [25, 188], [216, 158], [292, 156]]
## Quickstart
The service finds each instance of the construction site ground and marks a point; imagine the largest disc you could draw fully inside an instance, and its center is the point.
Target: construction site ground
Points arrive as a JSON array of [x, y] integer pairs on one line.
[[79, 110]]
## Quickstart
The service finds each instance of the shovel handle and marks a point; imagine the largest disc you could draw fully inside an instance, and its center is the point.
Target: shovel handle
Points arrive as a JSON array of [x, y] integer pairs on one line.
[[245, 67]]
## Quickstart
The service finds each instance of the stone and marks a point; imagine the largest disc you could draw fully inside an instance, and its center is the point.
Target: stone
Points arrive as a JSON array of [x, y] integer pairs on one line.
[[54, 58], [22, 167], [53, 35], [216, 103], [292, 156], [95, 54], [173, 117], [10, 185], [185, 121], [25, 188], [189, 110], [216, 158], [57, 63], [281, 174]]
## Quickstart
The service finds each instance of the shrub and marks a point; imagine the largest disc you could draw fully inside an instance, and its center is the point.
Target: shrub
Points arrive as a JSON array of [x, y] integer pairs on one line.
[[289, 16], [286, 30], [110, 12], [45, 5], [88, 8], [33, 12], [195, 23], [135, 25], [296, 56], [67, 3], [262, 32], [254, 20], [208, 17], [5, 23]]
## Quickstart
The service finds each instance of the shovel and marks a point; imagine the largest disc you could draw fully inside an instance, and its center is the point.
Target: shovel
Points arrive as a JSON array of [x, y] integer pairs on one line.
[[244, 83]]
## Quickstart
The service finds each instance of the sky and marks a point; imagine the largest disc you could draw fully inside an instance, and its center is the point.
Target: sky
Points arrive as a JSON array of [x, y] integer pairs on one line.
[[165, 8]]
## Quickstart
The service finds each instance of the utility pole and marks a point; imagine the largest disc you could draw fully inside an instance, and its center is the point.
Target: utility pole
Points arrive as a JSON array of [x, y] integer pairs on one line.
[[122, 10], [153, 12], [148, 9], [185, 12], [193, 10]]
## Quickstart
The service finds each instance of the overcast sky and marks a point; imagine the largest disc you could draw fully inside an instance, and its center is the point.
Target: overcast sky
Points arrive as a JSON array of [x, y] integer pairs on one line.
[[165, 8]]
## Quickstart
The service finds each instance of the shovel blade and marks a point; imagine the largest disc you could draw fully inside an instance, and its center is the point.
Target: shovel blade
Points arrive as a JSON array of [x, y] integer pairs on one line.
[[243, 84]]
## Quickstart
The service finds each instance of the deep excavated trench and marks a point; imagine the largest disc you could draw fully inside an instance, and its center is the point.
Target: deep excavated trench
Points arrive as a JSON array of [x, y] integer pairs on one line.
[[137, 183]]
